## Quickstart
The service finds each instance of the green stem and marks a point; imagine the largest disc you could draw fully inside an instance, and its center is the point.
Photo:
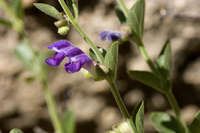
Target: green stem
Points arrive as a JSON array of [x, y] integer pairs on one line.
[[123, 7], [147, 58], [18, 24], [52, 109], [83, 34], [121, 105], [172, 101], [145, 55], [174, 104]]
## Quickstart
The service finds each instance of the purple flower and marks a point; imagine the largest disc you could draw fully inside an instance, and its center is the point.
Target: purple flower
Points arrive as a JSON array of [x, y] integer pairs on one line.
[[77, 59], [110, 36]]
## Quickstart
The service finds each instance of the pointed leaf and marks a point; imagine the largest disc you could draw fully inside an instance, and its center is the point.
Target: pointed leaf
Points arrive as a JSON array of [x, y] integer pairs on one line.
[[138, 117], [93, 55], [164, 60], [68, 121], [17, 8], [147, 78], [49, 10], [111, 60], [164, 123], [195, 125], [136, 18], [120, 15], [5, 23]]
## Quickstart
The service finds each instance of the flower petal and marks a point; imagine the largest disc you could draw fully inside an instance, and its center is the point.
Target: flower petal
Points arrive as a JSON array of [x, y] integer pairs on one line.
[[82, 58], [77, 58], [56, 46], [72, 67], [56, 60], [110, 36], [71, 51]]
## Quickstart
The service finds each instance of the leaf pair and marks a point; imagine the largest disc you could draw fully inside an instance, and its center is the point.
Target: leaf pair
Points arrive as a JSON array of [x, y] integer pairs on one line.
[[110, 58], [32, 60], [135, 18], [160, 80]]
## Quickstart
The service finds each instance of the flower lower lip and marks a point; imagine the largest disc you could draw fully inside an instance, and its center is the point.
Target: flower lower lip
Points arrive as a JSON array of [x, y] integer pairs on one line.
[[76, 57]]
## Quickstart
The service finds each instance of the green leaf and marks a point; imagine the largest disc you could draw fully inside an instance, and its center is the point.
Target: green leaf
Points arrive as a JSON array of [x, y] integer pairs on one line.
[[17, 8], [15, 130], [195, 125], [165, 123], [111, 60], [136, 18], [164, 60], [147, 78], [25, 54], [68, 121], [93, 55], [32, 60], [5, 23], [120, 15], [138, 117], [49, 10]]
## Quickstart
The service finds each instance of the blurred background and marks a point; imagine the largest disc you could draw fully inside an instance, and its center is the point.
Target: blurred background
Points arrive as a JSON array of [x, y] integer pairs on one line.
[[22, 103]]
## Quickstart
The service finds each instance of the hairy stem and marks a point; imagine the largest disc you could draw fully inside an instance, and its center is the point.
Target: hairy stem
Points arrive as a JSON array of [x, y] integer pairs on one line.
[[83, 34], [121, 105], [52, 109]]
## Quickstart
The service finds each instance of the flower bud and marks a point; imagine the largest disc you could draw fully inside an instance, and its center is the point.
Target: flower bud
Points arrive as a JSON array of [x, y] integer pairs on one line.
[[61, 23], [122, 127], [63, 30]]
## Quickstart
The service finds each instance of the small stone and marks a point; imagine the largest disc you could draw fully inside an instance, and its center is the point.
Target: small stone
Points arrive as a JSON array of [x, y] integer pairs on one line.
[[133, 97]]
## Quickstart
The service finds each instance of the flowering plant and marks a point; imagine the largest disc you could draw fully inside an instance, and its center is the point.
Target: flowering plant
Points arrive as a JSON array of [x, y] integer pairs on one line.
[[102, 65]]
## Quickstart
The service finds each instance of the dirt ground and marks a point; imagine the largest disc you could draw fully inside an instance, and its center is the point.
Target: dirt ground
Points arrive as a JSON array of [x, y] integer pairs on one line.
[[22, 104]]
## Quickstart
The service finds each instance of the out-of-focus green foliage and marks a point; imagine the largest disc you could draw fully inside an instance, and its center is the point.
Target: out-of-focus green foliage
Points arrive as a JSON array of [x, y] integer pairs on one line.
[[15, 130], [68, 121]]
